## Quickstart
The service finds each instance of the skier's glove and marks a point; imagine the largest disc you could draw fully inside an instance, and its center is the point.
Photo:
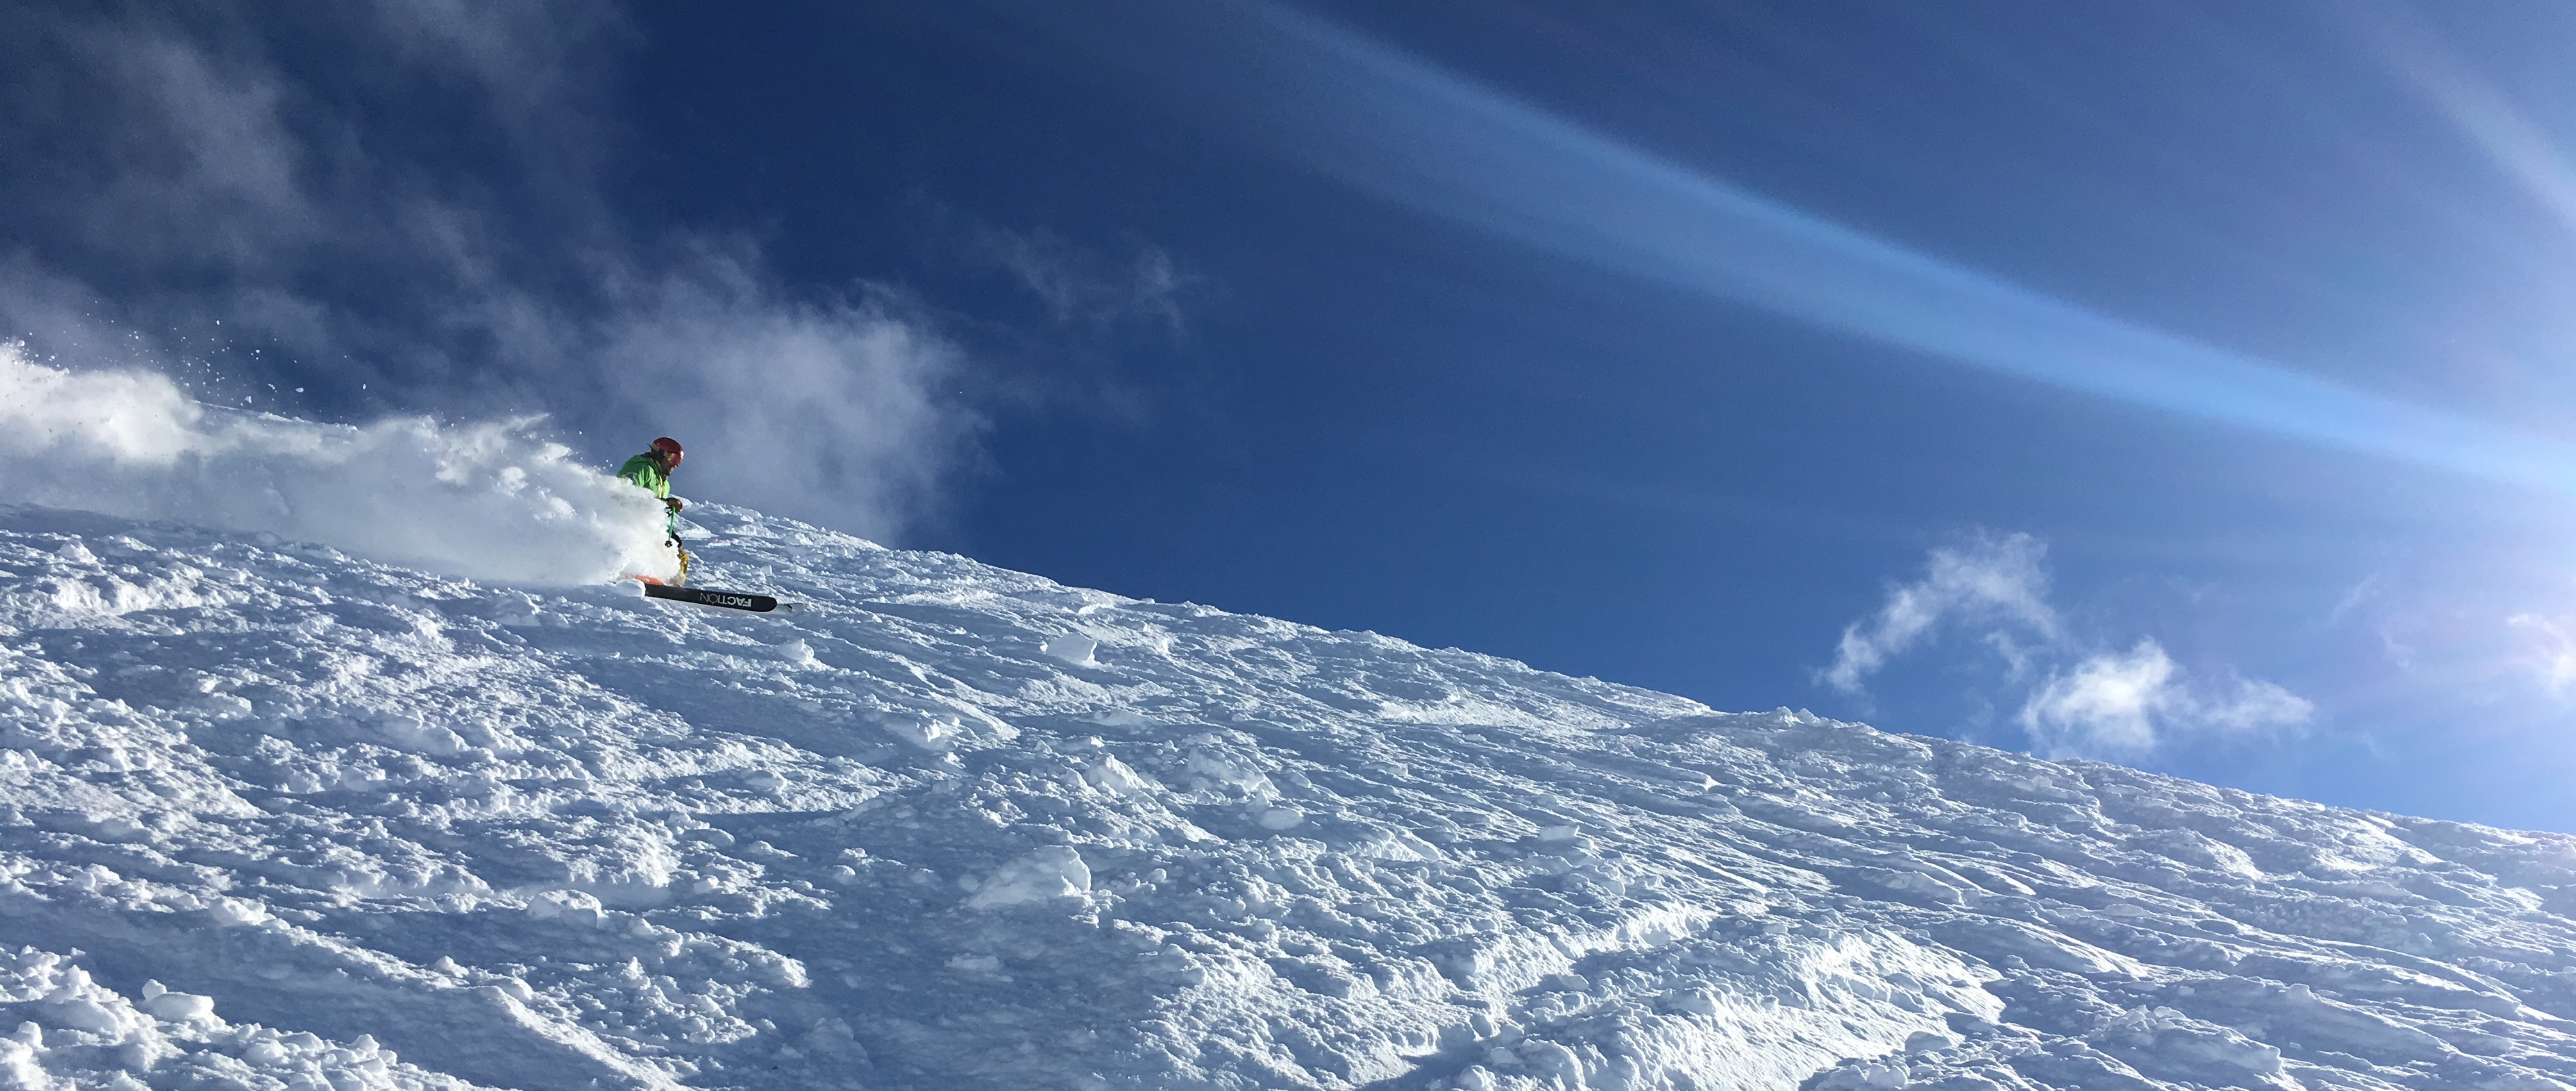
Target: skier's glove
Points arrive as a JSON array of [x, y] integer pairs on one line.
[[673, 503]]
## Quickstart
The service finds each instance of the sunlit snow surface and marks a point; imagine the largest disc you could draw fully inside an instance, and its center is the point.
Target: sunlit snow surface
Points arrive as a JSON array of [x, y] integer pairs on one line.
[[272, 817]]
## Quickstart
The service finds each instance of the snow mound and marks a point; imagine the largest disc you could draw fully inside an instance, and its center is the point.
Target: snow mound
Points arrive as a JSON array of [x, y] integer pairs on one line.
[[274, 816], [73, 1033], [482, 500]]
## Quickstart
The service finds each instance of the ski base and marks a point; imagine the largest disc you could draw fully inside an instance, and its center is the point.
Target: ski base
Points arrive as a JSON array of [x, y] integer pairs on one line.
[[731, 600]]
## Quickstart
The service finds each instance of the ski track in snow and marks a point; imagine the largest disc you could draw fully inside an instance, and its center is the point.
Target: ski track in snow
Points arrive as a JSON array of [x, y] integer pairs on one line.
[[272, 816]]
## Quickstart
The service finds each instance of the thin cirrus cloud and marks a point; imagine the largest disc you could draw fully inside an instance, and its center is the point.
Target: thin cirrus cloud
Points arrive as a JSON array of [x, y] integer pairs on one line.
[[1391, 125], [1994, 589], [2545, 652], [1082, 286], [175, 168], [2484, 114]]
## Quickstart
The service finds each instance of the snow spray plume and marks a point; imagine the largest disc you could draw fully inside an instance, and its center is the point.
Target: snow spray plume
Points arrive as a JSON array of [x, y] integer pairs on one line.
[[481, 500]]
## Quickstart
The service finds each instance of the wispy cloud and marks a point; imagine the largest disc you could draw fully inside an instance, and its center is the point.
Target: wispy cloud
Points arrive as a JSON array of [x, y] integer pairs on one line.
[[2126, 703], [2522, 149], [1994, 591], [1082, 285], [2546, 652], [1401, 129], [409, 199], [1996, 583]]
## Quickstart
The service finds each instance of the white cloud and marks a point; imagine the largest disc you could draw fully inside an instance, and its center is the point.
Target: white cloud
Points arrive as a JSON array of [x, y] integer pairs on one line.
[[2105, 704], [2256, 705], [2118, 704], [2000, 582]]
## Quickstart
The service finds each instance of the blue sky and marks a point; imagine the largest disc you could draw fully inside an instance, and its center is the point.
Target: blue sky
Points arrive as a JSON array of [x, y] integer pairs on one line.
[[2184, 385]]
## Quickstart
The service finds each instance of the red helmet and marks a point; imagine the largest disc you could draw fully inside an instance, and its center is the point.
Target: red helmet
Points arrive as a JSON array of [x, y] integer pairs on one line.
[[668, 444]]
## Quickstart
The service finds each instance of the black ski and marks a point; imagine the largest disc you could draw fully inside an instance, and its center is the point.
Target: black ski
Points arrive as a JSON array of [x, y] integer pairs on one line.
[[731, 600]]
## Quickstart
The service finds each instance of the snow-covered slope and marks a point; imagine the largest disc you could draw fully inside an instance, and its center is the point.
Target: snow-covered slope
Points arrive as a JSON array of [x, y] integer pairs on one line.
[[271, 816]]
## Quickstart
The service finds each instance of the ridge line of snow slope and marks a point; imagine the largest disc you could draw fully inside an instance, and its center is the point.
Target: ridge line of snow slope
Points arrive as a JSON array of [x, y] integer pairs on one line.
[[953, 826]]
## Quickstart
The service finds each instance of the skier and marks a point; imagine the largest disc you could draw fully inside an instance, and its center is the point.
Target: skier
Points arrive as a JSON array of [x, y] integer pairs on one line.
[[651, 471]]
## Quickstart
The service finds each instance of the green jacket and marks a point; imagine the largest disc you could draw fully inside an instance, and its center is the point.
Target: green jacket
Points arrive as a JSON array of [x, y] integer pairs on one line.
[[647, 474]]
